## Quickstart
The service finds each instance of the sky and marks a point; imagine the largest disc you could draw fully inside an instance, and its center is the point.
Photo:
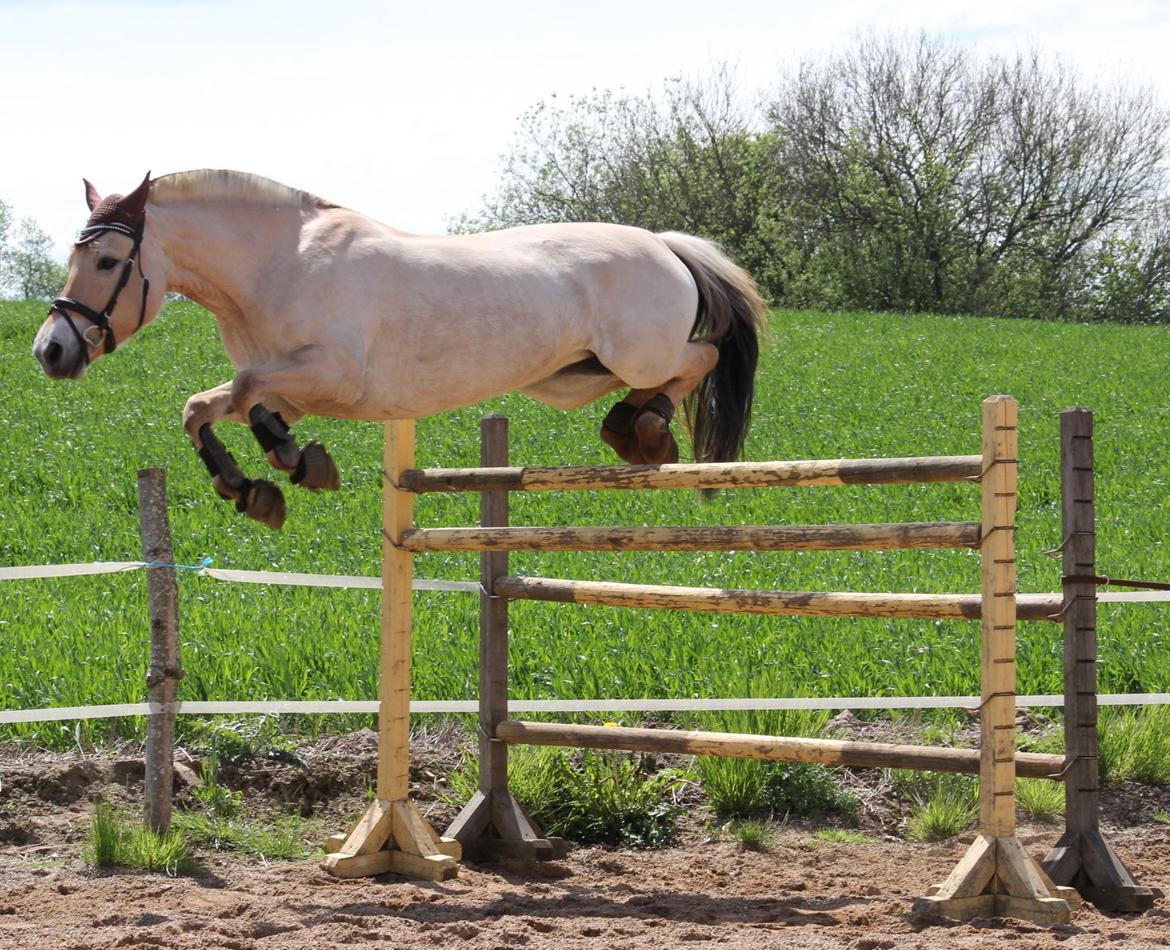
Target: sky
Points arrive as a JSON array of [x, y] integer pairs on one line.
[[404, 110]]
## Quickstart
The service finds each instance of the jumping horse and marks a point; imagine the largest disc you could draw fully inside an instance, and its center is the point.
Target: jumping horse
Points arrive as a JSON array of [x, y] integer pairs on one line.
[[325, 311]]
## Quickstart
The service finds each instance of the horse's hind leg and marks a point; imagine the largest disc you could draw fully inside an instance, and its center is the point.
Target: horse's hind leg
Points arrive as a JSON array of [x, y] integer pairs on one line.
[[310, 467], [653, 408]]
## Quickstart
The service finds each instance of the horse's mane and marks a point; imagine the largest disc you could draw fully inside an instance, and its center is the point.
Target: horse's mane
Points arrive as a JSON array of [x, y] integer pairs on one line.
[[224, 183]]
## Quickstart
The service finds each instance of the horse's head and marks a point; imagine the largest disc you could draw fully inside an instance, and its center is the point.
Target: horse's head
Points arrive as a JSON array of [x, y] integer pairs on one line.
[[109, 294]]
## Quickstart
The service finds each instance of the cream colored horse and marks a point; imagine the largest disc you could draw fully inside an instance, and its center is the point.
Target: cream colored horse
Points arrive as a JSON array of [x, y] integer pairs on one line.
[[325, 311]]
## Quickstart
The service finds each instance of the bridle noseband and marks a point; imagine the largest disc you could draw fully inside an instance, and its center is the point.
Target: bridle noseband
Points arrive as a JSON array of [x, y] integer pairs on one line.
[[101, 320]]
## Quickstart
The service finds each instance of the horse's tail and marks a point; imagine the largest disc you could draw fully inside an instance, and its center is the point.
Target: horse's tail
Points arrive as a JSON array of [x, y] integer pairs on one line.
[[733, 316]]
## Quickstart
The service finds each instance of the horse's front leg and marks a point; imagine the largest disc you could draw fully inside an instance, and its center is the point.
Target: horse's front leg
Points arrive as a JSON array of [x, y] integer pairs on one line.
[[257, 498], [310, 467], [267, 395]]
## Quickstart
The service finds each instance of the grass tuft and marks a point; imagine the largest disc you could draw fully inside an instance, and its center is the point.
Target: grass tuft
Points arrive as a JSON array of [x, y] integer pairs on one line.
[[101, 846], [1135, 745], [1040, 798], [114, 841], [588, 796], [842, 836], [734, 788], [945, 806], [753, 834]]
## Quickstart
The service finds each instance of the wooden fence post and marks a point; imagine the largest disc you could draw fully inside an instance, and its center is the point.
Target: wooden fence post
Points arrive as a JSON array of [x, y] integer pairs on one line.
[[493, 824], [162, 679], [1082, 857]]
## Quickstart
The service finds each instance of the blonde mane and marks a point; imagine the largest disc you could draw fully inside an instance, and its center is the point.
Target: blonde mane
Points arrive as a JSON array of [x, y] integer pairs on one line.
[[223, 183]]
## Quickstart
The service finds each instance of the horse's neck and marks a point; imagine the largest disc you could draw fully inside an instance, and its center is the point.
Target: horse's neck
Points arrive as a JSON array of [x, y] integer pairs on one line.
[[216, 253]]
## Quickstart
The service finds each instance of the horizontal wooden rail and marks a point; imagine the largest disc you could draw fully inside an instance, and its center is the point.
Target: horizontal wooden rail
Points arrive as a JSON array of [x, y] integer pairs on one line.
[[774, 748], [717, 600], [943, 468], [853, 537]]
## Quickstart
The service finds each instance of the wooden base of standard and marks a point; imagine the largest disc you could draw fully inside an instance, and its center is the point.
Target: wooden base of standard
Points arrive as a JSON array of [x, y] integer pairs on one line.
[[392, 837], [1085, 861], [493, 825], [997, 878]]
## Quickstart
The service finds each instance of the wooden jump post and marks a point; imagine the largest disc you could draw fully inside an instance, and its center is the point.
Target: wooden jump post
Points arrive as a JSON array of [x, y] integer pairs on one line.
[[1082, 857], [392, 835], [997, 877]]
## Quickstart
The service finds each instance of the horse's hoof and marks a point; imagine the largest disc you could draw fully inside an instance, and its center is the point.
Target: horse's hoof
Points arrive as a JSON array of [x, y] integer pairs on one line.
[[263, 502], [284, 456], [316, 469], [652, 428], [617, 431], [223, 489]]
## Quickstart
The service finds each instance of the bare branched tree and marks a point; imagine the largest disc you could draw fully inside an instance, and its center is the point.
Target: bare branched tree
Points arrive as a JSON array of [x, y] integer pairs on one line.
[[927, 178]]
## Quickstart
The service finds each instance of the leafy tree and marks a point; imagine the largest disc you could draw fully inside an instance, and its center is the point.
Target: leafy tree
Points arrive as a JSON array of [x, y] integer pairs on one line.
[[29, 267], [5, 226]]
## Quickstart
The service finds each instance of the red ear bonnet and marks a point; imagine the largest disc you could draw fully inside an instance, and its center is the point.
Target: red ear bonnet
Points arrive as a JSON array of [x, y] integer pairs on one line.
[[117, 209]]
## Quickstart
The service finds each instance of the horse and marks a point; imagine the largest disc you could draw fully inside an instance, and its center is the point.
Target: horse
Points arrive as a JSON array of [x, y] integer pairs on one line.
[[325, 311]]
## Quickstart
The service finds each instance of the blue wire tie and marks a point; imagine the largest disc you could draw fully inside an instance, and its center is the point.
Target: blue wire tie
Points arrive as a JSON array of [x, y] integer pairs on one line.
[[206, 562]]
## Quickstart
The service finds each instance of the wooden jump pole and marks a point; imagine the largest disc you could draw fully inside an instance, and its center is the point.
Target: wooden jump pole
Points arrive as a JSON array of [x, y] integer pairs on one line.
[[862, 755], [493, 824], [392, 835], [955, 468], [786, 603], [997, 877], [1082, 857], [851, 537]]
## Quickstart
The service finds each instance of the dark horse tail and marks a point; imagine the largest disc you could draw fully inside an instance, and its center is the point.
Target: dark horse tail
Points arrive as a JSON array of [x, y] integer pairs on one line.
[[732, 316]]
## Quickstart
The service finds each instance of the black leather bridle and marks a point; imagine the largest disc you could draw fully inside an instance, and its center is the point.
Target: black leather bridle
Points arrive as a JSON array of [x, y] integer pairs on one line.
[[101, 319]]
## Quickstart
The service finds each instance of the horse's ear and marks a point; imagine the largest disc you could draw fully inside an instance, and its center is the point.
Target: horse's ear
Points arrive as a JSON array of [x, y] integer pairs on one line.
[[92, 198], [134, 204]]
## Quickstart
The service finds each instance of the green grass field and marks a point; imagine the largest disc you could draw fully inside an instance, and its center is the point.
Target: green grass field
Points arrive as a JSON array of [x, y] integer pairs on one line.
[[840, 385]]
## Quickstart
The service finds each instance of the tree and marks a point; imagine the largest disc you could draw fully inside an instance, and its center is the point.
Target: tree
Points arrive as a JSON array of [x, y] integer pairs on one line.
[[5, 226], [29, 267]]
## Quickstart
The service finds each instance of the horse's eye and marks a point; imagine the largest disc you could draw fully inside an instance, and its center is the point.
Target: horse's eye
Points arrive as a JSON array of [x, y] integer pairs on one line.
[[107, 263]]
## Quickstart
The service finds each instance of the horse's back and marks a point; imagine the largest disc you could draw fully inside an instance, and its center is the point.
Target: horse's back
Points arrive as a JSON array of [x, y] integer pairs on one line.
[[491, 312]]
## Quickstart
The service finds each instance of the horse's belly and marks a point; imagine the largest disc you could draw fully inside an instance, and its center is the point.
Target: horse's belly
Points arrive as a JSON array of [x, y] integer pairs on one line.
[[429, 384]]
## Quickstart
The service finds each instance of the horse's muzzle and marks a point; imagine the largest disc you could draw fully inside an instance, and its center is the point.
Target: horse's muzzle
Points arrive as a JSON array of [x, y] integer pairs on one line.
[[59, 361]]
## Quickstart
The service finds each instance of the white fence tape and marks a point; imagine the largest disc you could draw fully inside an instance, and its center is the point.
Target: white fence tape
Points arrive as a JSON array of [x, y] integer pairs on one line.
[[242, 577], [66, 570], [64, 713], [372, 583], [330, 580]]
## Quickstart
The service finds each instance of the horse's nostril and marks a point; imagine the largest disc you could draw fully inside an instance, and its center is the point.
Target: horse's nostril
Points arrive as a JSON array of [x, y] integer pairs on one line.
[[53, 353]]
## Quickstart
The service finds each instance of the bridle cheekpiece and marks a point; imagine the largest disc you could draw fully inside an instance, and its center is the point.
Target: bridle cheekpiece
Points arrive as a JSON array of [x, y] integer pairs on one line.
[[101, 319]]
